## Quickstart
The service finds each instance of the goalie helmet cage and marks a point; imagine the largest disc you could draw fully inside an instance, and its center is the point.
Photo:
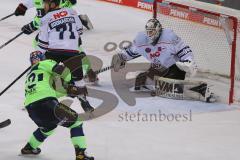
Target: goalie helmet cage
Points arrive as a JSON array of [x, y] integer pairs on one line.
[[212, 37]]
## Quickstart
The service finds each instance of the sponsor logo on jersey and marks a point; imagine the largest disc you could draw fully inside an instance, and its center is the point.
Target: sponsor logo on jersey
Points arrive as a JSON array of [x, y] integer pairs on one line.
[[155, 54], [60, 14], [61, 21]]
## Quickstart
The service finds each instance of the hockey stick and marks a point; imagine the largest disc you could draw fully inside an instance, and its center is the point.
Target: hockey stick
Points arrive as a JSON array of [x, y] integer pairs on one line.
[[10, 15], [100, 70], [106, 68], [19, 34], [15, 80], [5, 123]]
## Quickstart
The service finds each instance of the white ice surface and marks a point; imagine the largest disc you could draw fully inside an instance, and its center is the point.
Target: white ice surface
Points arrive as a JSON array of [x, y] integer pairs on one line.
[[212, 134]]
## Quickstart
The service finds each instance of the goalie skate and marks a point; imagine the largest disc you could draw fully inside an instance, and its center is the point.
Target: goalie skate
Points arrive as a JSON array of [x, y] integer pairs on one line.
[[209, 96], [142, 88]]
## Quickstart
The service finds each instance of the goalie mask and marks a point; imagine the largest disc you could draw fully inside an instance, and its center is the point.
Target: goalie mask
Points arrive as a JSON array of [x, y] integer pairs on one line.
[[153, 30]]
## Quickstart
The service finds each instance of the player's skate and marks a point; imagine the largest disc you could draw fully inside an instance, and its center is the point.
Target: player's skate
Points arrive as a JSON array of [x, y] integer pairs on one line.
[[28, 150], [143, 88], [205, 90], [209, 96], [81, 154], [140, 83]]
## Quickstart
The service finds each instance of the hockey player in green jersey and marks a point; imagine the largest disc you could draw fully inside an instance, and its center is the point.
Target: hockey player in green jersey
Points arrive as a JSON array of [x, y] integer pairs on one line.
[[45, 110]]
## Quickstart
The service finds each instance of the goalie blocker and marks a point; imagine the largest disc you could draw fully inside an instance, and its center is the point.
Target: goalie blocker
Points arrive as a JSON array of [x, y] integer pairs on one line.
[[183, 89]]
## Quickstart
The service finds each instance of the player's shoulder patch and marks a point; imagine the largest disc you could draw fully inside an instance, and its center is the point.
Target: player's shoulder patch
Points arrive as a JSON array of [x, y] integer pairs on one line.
[[140, 39]]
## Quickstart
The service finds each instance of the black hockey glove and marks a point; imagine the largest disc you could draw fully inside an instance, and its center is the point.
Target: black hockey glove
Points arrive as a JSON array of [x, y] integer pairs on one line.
[[29, 28], [75, 91], [20, 10], [92, 76], [73, 2]]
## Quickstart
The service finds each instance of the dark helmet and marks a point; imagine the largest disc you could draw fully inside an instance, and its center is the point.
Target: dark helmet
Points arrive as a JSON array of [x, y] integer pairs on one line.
[[36, 56]]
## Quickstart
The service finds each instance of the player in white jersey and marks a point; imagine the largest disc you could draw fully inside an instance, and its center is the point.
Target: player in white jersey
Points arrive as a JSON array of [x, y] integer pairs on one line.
[[60, 30], [169, 56], [59, 39], [28, 4], [35, 24]]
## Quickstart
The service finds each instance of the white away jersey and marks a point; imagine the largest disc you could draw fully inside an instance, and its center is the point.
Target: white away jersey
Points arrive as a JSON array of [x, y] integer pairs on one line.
[[60, 29], [169, 49]]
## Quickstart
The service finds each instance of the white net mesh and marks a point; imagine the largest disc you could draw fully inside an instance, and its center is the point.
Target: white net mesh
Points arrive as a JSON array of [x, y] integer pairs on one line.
[[206, 36], [237, 69]]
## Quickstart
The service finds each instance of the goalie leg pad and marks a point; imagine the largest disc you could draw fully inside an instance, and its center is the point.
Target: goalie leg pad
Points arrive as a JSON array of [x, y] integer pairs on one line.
[[183, 89]]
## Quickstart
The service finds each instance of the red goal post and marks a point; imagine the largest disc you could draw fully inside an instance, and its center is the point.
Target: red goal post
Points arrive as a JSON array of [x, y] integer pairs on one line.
[[212, 36]]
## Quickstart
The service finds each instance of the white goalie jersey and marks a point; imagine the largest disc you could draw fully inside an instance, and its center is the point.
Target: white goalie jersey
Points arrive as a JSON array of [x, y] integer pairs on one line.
[[169, 49], [60, 30]]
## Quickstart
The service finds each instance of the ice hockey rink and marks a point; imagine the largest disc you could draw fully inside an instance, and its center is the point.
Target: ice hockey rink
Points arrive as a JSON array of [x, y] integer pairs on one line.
[[211, 131]]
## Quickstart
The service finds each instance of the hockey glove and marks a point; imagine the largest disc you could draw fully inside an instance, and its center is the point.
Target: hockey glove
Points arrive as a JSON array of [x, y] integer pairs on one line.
[[20, 10], [118, 62], [92, 76], [73, 2], [29, 28], [187, 66], [75, 91]]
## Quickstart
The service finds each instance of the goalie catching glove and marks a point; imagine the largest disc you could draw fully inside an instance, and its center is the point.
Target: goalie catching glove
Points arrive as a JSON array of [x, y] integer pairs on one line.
[[187, 66], [118, 62]]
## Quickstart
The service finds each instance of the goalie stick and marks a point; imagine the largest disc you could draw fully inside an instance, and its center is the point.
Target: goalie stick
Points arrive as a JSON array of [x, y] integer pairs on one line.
[[5, 123], [105, 68]]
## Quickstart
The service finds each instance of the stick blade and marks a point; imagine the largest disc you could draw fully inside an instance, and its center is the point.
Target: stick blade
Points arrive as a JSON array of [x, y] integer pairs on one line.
[[5, 123]]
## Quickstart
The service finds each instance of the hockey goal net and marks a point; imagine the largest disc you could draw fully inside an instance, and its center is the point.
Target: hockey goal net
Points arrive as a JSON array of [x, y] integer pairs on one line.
[[213, 37]]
